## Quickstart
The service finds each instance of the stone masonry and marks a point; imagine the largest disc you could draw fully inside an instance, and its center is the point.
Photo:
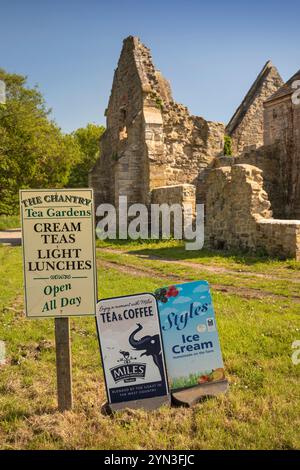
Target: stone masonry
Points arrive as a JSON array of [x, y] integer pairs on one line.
[[239, 214], [150, 140], [184, 195], [246, 125], [282, 128]]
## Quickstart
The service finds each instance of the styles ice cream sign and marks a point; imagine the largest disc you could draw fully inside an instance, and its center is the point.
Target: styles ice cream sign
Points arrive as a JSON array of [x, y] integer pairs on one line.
[[132, 351], [190, 336], [58, 252]]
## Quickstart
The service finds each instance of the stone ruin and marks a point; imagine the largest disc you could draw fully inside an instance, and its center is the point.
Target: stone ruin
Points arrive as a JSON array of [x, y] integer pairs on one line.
[[155, 151]]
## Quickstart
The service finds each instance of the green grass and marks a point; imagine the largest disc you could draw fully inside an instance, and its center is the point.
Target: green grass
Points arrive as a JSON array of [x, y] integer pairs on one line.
[[9, 222], [260, 411], [234, 260], [277, 286], [11, 274]]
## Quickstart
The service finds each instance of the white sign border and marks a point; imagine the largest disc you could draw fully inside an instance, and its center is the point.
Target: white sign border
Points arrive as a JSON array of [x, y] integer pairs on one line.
[[161, 341], [95, 280]]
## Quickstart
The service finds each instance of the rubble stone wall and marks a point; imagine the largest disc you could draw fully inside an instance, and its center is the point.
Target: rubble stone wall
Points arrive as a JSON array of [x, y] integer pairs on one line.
[[175, 194], [150, 141], [154, 150], [238, 214], [279, 237], [282, 126], [182, 194], [246, 127], [271, 159]]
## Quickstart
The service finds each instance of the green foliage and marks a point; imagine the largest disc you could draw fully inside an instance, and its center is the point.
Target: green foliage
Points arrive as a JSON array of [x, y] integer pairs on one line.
[[115, 157], [9, 221], [227, 146], [86, 139], [159, 103], [157, 100], [33, 151]]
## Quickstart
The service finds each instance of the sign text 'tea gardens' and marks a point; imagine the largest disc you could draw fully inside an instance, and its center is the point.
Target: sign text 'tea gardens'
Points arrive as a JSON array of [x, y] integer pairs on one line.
[[59, 252]]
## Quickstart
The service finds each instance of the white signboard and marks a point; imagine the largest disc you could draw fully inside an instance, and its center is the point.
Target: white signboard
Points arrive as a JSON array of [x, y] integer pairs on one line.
[[58, 238], [131, 348]]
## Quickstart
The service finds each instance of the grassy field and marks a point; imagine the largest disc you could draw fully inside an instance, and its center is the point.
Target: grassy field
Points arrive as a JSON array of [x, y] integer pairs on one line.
[[257, 304]]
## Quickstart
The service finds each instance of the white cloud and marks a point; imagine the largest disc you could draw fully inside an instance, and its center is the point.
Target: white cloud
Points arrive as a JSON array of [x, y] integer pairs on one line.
[[167, 310], [182, 300], [201, 288]]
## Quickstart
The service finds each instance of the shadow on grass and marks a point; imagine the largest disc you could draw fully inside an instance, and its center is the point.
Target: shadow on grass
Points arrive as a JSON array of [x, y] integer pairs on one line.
[[174, 250], [179, 253]]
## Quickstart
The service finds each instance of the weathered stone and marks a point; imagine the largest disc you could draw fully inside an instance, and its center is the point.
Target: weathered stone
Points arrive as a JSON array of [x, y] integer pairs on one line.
[[238, 214], [282, 128], [182, 194], [246, 126], [150, 140]]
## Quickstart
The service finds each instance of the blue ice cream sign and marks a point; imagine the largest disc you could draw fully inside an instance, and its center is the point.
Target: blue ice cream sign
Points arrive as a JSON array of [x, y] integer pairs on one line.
[[191, 342]]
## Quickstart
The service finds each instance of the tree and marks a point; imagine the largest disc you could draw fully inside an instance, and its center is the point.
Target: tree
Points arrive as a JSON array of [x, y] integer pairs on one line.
[[33, 151], [87, 138]]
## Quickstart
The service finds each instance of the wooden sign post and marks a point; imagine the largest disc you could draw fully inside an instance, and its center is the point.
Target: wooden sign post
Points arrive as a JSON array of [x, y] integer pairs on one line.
[[58, 238], [193, 354], [63, 364]]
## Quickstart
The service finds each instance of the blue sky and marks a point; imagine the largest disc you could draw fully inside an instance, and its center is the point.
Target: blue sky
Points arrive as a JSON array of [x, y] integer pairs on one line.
[[210, 51]]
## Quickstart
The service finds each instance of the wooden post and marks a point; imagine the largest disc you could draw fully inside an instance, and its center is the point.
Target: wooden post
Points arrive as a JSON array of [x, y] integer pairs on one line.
[[63, 364]]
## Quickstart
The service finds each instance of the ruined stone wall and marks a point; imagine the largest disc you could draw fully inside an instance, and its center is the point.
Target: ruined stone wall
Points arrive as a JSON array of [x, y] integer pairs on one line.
[[246, 126], [269, 160], [191, 144], [119, 170], [178, 144], [181, 194], [279, 237], [272, 160], [154, 150], [101, 180], [175, 194], [296, 170], [282, 126], [235, 201], [278, 121], [238, 214], [150, 141]]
